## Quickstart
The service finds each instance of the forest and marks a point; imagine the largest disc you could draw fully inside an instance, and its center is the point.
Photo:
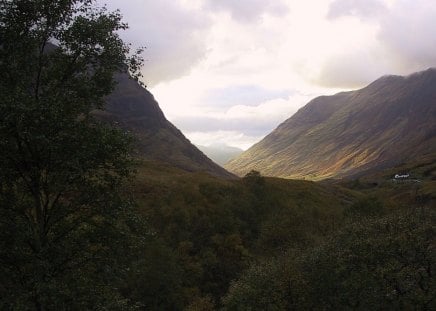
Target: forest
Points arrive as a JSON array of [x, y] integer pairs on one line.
[[264, 243]]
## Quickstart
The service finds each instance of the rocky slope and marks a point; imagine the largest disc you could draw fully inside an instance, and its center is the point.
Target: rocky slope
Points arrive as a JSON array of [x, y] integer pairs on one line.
[[391, 120]]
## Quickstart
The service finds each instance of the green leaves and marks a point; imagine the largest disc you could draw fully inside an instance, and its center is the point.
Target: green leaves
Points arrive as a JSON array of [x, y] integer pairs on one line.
[[63, 215], [383, 262]]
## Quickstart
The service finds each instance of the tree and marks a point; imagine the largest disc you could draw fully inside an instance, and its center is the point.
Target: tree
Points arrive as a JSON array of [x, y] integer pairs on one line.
[[384, 262], [254, 179], [261, 287], [62, 216]]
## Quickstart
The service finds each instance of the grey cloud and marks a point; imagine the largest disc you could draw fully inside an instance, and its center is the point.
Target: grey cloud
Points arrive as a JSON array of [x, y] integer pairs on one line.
[[248, 10], [174, 36], [210, 124], [405, 42], [350, 70], [408, 32], [364, 9]]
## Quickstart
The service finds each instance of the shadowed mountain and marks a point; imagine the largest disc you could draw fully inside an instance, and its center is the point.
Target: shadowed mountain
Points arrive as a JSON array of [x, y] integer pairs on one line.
[[391, 120], [133, 108]]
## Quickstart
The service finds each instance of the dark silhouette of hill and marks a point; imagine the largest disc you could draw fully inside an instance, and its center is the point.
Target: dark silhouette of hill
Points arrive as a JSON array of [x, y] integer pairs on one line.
[[134, 109]]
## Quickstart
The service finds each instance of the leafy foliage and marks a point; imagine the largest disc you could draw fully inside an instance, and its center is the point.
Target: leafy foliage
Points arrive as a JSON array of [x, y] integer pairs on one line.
[[219, 227], [64, 222], [384, 262]]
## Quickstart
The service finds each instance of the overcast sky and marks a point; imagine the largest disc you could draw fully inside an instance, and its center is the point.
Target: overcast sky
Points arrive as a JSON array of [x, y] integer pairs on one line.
[[230, 71]]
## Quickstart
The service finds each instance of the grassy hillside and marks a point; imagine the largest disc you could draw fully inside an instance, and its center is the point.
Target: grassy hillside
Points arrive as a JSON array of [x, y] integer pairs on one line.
[[390, 121], [419, 188]]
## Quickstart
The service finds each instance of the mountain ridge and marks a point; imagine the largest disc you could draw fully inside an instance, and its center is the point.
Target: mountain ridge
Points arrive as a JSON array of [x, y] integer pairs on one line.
[[342, 134]]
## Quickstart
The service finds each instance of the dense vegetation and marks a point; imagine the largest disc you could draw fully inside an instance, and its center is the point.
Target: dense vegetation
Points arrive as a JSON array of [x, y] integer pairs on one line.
[[272, 244], [79, 230], [215, 228]]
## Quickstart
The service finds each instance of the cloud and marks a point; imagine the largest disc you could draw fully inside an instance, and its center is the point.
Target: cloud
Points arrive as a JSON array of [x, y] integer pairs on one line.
[[212, 124], [403, 41], [176, 33], [220, 137], [249, 95], [241, 125], [247, 10], [364, 9], [408, 33], [174, 36], [351, 70], [250, 121]]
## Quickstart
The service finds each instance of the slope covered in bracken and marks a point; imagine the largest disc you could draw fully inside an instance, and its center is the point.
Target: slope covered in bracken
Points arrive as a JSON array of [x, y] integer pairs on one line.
[[391, 120]]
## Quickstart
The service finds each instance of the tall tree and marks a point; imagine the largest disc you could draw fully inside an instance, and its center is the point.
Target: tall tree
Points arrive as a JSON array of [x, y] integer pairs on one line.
[[62, 217]]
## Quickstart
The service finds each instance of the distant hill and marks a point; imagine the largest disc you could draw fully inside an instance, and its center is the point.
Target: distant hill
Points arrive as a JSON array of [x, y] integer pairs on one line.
[[134, 108], [220, 154], [391, 120]]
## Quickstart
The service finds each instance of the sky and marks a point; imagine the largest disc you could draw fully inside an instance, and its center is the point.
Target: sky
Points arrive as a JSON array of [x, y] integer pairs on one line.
[[230, 71]]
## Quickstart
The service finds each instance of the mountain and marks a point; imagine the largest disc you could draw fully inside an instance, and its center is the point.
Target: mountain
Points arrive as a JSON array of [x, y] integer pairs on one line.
[[220, 153], [390, 121], [134, 109]]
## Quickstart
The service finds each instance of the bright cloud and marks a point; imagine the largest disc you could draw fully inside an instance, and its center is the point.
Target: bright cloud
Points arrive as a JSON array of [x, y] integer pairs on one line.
[[250, 122], [228, 138], [231, 71]]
